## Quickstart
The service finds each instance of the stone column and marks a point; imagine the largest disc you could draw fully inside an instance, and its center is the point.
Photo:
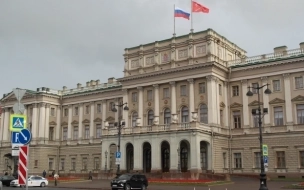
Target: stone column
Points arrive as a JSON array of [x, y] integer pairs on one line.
[[173, 102], [212, 98], [156, 104], [173, 154], [80, 128], [70, 122], [6, 121], [288, 105], [58, 121], [246, 112], [265, 102], [104, 111], [41, 126], [138, 159], [118, 109], [34, 122], [226, 111], [47, 122], [191, 99], [92, 122], [2, 125], [155, 154], [125, 113], [195, 165], [140, 104]]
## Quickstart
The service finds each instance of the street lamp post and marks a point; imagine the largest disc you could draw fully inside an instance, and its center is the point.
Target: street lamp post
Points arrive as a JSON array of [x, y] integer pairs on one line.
[[106, 164], [263, 179], [119, 125], [178, 157]]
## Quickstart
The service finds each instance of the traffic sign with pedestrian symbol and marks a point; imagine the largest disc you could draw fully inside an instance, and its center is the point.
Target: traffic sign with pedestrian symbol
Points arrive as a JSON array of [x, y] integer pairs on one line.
[[17, 122]]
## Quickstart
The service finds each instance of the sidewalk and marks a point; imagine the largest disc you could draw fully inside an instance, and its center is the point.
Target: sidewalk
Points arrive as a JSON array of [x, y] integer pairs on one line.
[[99, 184]]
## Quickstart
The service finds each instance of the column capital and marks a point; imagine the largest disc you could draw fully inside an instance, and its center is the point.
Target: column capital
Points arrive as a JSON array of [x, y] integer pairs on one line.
[[34, 105], [116, 99], [58, 106], [139, 88], [212, 78], [156, 86], [104, 101], [264, 79], [92, 103], [48, 105], [244, 82], [172, 83], [42, 104], [80, 104], [225, 83], [286, 75], [6, 109], [191, 81], [70, 106], [125, 90]]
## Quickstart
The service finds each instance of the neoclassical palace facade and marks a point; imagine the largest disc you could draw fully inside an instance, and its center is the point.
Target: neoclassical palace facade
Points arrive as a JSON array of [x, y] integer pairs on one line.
[[188, 112]]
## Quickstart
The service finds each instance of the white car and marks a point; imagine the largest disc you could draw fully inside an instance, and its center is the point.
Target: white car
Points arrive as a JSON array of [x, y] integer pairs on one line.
[[33, 181], [1, 186]]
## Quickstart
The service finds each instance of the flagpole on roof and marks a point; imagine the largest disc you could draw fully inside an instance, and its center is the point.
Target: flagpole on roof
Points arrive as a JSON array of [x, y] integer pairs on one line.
[[174, 20], [191, 17]]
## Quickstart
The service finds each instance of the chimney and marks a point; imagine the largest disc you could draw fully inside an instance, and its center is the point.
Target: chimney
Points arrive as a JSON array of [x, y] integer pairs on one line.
[[78, 85], [302, 46], [88, 84], [38, 89], [92, 82], [43, 88], [111, 80], [64, 88], [97, 82], [282, 50]]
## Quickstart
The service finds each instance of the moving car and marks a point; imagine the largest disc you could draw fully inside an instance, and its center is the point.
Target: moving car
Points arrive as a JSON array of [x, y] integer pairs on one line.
[[6, 180], [33, 181], [130, 181]]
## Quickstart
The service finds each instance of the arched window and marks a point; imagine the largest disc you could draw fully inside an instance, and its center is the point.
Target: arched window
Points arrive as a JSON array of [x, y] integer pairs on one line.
[[134, 117], [150, 117], [167, 116], [203, 113], [185, 115]]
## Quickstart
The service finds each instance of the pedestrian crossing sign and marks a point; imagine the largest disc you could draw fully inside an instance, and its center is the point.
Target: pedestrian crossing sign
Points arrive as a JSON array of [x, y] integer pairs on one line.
[[17, 122]]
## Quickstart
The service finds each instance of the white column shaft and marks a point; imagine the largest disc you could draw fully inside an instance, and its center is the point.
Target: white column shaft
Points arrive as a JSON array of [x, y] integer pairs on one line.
[[195, 151], [173, 154], [34, 122], [173, 98], [212, 99], [70, 122], [80, 128], [191, 97], [47, 122], [58, 121], [104, 111], [246, 122], [2, 125], [41, 126], [6, 133], [156, 100], [138, 159], [155, 154], [140, 105], [288, 104], [226, 110], [92, 121]]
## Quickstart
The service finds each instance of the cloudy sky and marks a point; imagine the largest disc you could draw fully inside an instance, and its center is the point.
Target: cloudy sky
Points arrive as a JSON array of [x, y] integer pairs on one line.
[[55, 43]]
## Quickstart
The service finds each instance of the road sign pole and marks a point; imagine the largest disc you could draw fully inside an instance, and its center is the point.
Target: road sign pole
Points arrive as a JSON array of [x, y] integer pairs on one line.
[[28, 158]]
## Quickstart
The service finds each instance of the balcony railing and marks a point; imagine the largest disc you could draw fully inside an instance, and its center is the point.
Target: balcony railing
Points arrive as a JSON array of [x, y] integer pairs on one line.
[[267, 57]]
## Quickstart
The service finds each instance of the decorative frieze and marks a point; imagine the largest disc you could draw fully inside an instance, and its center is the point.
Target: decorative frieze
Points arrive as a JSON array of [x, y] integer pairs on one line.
[[191, 81], [211, 77]]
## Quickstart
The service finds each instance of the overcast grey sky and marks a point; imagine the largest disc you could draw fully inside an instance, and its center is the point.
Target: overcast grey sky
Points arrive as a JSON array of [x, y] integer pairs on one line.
[[55, 43]]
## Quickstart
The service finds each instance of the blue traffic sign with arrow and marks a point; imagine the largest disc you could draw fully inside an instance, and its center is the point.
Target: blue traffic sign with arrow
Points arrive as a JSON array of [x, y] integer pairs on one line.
[[25, 136]]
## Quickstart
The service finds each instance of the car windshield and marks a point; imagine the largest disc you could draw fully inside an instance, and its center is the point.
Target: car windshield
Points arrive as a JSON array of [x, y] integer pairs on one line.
[[124, 176]]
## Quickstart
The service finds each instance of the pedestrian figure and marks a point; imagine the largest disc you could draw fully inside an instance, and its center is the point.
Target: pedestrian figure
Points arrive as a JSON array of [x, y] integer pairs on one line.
[[44, 173], [53, 173], [90, 176], [5, 173], [56, 177]]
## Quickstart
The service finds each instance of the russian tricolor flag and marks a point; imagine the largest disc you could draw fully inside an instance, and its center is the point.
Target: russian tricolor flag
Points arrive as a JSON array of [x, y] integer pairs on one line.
[[181, 13]]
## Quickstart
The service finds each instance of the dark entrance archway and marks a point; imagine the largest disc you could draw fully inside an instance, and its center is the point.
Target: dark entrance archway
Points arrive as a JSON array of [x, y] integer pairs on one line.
[[165, 156], [184, 155], [130, 157], [147, 157]]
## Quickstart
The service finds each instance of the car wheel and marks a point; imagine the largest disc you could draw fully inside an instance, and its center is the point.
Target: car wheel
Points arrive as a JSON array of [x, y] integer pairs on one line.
[[127, 187], [143, 187], [42, 184]]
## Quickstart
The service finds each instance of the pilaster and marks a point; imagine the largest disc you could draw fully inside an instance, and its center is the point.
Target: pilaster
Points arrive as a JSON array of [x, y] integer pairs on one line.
[[125, 113], [191, 99], [58, 121], [34, 122], [41, 128], [246, 122], [70, 107], [140, 105], [288, 105], [156, 104], [174, 144], [155, 154], [2, 126], [91, 121], [104, 112], [226, 111], [47, 122], [80, 127], [173, 98], [266, 102], [6, 125], [212, 98]]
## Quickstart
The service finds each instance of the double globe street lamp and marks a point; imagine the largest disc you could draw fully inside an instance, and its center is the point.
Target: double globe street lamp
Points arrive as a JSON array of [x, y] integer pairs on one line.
[[119, 125], [263, 179]]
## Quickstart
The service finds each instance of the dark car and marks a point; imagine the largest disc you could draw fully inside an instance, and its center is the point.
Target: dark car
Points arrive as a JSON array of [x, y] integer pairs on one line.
[[130, 181], [6, 180]]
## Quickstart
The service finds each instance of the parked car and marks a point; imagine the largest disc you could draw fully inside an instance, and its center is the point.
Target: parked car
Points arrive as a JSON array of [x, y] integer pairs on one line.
[[33, 181], [6, 180], [1, 186], [130, 181]]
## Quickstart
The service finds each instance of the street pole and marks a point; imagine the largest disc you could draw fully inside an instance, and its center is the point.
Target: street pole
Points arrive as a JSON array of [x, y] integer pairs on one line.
[[263, 179], [119, 131]]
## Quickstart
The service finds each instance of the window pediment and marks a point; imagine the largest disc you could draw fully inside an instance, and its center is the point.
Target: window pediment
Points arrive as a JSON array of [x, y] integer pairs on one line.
[[298, 98], [255, 103], [64, 123], [86, 121], [75, 122], [110, 118], [277, 101], [236, 105], [97, 120], [52, 123]]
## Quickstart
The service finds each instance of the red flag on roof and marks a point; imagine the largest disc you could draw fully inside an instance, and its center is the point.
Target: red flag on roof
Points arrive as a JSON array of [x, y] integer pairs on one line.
[[196, 7]]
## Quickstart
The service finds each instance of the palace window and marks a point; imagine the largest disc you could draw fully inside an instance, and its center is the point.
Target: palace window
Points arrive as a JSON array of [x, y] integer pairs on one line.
[[149, 95], [98, 108], [276, 85], [75, 133], [73, 163], [299, 82], [237, 119], [134, 118], [75, 110], [281, 159], [96, 163], [278, 116], [254, 86], [166, 93], [62, 161], [87, 132], [238, 160], [302, 159], [300, 113], [203, 114], [150, 117], [202, 87], [134, 97], [257, 160], [235, 90], [85, 163], [185, 114], [64, 133], [66, 112], [51, 163], [98, 131], [167, 116], [87, 109], [53, 112], [183, 90], [220, 89], [51, 133]]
